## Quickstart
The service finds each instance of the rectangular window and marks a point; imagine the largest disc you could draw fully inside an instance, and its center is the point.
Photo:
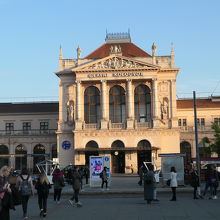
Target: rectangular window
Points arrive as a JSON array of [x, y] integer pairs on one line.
[[26, 127], [217, 121], [179, 122], [202, 122], [184, 122], [9, 127], [44, 125]]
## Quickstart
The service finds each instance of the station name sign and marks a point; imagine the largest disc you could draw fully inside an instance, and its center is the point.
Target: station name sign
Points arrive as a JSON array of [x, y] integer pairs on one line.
[[104, 75]]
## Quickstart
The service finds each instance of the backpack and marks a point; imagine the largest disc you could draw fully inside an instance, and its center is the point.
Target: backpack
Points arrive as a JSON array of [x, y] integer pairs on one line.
[[25, 188], [148, 178]]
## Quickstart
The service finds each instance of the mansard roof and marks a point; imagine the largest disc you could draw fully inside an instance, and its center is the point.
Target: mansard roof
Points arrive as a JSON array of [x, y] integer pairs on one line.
[[128, 50], [200, 103], [9, 108]]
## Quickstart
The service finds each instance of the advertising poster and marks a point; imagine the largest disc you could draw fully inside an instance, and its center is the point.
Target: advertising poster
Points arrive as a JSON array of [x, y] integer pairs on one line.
[[96, 166]]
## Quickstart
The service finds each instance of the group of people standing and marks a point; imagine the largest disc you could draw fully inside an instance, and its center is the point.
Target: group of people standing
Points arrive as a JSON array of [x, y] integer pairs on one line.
[[147, 176]]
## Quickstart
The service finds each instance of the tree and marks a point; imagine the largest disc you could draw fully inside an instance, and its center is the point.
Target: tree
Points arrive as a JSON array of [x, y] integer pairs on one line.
[[215, 146]]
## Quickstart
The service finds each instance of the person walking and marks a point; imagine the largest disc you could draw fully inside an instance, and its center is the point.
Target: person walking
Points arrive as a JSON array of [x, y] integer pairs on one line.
[[25, 186], [76, 184], [58, 181], [42, 186], [104, 177], [214, 182], [140, 173], [173, 182], [86, 170], [207, 182], [149, 184], [5, 194], [194, 182]]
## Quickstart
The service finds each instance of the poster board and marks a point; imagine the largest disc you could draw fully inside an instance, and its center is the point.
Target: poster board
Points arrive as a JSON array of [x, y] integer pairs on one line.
[[96, 165], [173, 160]]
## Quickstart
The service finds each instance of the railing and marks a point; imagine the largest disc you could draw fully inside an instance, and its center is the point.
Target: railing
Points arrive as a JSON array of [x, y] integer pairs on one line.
[[118, 125], [144, 125], [33, 132], [192, 128], [91, 126]]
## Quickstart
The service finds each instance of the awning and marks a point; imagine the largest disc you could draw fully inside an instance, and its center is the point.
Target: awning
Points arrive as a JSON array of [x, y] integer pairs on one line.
[[126, 149]]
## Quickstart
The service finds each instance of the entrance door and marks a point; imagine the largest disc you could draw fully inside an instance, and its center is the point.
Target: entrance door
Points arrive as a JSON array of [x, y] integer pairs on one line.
[[118, 162], [92, 146], [144, 152], [118, 157]]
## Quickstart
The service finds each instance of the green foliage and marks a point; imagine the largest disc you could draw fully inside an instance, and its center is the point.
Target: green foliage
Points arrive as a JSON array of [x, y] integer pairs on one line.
[[216, 145]]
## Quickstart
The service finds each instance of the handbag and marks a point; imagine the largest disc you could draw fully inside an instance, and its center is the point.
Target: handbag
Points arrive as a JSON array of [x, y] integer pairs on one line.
[[168, 182]]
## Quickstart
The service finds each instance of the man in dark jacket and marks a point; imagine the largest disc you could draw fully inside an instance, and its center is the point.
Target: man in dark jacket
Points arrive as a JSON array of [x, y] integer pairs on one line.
[[76, 183]]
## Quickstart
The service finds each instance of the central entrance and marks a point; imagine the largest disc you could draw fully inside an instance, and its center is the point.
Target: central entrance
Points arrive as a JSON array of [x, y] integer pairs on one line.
[[144, 152], [92, 148], [118, 157]]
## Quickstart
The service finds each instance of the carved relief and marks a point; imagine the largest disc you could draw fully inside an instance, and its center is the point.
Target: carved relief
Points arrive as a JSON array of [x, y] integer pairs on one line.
[[163, 87], [116, 63], [115, 49], [164, 108]]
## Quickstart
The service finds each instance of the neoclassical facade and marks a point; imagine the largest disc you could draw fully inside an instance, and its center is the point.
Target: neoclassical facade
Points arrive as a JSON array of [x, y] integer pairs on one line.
[[118, 101]]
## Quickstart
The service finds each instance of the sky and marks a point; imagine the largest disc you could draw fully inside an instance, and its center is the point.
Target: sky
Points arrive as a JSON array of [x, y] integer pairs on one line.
[[31, 32]]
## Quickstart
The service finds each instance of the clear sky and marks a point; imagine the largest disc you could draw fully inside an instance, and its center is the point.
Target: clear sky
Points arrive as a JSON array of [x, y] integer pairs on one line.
[[33, 30]]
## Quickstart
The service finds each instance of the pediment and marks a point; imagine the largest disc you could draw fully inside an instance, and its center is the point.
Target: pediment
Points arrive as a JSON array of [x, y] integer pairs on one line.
[[114, 62]]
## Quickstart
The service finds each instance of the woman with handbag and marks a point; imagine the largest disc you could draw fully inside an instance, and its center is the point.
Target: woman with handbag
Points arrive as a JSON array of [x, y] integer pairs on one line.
[[58, 181], [42, 186], [173, 182], [5, 194]]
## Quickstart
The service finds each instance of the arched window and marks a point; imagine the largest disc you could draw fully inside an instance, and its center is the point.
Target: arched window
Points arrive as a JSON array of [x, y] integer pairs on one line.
[[92, 105], [144, 152], [20, 162], [117, 104], [185, 148], [4, 159], [142, 100]]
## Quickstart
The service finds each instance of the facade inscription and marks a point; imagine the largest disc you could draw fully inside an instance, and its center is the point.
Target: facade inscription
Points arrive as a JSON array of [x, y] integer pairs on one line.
[[104, 75]]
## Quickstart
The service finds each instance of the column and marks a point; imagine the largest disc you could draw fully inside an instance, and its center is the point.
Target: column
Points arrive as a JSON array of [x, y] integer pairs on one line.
[[173, 114], [156, 122], [104, 123], [129, 105], [103, 99], [129, 98], [78, 124]]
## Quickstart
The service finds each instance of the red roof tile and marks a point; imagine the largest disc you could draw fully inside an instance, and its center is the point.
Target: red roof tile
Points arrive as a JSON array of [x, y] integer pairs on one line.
[[200, 103], [128, 50]]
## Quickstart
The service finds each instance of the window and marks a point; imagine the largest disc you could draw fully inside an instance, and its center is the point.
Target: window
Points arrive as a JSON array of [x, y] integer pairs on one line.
[[92, 105], [9, 127], [201, 121], [44, 125], [26, 127], [182, 122], [117, 104], [217, 121], [142, 99]]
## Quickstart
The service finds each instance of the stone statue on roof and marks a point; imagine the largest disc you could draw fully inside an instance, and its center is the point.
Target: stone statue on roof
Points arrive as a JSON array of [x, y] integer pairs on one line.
[[79, 51]]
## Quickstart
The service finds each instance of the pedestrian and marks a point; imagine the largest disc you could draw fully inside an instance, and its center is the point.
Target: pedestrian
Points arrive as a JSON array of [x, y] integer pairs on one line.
[[76, 184], [157, 181], [132, 169], [149, 184], [42, 186], [214, 182], [25, 186], [58, 181], [140, 173], [194, 182], [81, 173], [207, 182], [104, 177], [86, 170], [6, 202], [173, 182]]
